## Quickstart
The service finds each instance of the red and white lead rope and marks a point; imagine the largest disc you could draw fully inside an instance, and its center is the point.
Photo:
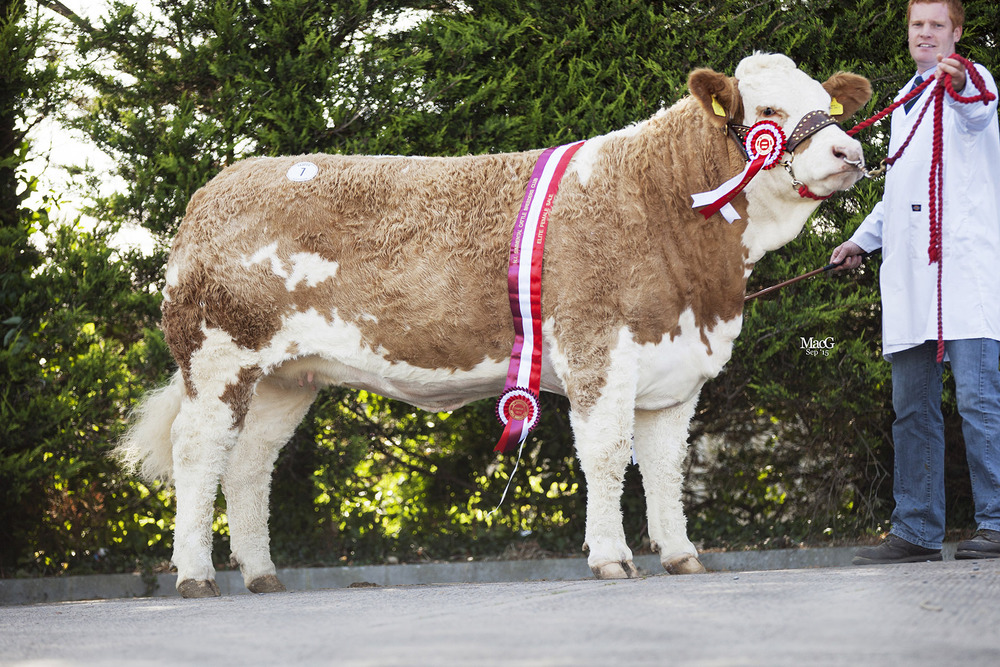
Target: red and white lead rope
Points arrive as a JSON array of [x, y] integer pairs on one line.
[[518, 408]]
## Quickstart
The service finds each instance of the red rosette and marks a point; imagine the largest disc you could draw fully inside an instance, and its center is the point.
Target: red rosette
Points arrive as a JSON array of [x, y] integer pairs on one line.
[[519, 404], [766, 139]]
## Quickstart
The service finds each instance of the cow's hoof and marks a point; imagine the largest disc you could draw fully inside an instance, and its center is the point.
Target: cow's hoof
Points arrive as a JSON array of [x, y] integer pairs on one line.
[[619, 570], [266, 584], [684, 564], [191, 588]]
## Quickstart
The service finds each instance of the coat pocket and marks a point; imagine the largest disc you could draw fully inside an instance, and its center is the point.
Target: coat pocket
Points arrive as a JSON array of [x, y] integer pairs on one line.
[[919, 231]]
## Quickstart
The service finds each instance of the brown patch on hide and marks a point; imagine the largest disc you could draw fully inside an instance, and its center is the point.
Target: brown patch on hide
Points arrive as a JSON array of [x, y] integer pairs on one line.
[[239, 395], [182, 330], [851, 90]]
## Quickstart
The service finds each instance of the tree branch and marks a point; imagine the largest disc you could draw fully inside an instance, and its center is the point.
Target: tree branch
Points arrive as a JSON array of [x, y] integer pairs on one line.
[[75, 19]]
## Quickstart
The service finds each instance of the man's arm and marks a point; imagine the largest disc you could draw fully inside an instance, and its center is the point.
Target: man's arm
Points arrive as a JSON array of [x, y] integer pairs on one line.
[[974, 117], [866, 238]]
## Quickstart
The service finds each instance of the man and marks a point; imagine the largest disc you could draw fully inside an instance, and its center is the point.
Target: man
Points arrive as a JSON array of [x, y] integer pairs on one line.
[[970, 297]]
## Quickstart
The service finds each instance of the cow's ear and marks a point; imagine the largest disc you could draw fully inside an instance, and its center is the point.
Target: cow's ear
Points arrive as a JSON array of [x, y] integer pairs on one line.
[[849, 91], [719, 95]]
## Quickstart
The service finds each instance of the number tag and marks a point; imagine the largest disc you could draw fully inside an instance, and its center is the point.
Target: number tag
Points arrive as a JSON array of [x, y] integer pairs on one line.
[[303, 171]]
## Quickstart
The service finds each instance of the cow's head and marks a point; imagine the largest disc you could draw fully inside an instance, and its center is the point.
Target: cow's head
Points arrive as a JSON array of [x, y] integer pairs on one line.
[[771, 87]]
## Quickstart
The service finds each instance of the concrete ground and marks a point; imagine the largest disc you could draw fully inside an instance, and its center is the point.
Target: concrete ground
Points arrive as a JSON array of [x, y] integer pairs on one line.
[[916, 614], [102, 587]]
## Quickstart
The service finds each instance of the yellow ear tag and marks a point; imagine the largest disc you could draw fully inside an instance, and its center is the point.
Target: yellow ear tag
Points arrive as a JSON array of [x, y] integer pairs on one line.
[[836, 108], [717, 108]]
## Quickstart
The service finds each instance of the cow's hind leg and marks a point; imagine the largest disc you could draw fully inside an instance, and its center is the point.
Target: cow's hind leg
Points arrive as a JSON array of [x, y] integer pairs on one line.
[[204, 432], [219, 380], [660, 447], [276, 409]]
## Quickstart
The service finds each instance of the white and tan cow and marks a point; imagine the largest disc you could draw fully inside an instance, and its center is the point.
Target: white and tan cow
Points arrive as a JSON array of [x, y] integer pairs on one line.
[[390, 274]]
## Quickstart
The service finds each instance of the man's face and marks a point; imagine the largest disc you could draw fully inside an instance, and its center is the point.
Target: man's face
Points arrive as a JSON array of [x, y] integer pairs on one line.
[[931, 32]]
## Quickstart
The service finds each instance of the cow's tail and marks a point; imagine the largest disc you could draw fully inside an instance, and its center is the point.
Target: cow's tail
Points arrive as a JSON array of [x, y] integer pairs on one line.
[[146, 448]]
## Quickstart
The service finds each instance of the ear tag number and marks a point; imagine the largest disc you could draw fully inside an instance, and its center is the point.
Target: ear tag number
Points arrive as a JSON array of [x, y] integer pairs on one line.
[[717, 108], [836, 108], [303, 171]]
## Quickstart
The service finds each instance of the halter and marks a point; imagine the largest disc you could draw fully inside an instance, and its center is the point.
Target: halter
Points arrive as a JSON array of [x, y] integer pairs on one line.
[[811, 123]]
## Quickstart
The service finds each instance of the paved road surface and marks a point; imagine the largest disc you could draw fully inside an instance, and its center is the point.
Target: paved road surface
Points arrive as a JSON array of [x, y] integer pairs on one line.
[[918, 614]]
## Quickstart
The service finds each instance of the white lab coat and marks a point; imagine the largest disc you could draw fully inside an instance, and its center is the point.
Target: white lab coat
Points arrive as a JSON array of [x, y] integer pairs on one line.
[[900, 225]]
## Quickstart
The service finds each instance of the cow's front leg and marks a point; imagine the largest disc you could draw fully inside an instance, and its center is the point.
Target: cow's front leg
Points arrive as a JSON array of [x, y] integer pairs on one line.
[[660, 447], [602, 421], [603, 465]]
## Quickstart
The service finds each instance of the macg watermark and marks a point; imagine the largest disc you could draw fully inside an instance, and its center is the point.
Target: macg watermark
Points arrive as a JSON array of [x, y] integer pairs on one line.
[[816, 347]]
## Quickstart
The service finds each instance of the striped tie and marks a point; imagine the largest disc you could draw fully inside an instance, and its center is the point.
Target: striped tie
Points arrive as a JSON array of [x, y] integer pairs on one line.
[[916, 84]]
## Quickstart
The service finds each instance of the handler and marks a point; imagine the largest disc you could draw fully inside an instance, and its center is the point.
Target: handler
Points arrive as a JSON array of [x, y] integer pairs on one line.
[[970, 297]]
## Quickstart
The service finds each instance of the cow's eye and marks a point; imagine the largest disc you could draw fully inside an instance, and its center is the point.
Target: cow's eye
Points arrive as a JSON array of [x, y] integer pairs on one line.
[[769, 111]]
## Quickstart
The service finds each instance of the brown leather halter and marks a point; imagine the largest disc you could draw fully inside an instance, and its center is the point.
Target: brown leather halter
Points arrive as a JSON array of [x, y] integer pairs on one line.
[[810, 124]]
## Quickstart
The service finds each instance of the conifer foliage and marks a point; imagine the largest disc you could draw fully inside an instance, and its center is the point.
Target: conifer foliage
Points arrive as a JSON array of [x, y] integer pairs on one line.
[[788, 446]]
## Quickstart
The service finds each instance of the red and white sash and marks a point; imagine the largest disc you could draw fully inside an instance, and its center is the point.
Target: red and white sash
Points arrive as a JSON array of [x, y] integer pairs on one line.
[[518, 408]]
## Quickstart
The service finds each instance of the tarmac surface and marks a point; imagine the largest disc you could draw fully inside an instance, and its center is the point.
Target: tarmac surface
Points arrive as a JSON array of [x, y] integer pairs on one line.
[[915, 614]]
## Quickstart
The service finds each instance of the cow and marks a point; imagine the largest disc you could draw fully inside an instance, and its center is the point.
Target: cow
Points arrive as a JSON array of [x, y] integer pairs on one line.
[[389, 274]]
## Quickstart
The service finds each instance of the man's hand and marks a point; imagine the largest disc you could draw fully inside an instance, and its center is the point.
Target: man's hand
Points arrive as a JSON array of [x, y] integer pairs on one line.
[[954, 69], [850, 253]]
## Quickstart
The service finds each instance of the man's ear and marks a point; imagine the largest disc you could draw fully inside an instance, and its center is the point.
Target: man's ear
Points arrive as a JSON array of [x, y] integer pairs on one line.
[[719, 95], [849, 91]]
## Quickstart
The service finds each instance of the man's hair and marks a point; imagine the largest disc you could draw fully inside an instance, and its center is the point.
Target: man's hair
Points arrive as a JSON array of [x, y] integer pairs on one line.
[[956, 11]]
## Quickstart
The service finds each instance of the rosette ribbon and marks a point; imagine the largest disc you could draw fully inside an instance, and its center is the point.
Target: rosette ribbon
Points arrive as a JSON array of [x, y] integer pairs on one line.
[[518, 408], [765, 143]]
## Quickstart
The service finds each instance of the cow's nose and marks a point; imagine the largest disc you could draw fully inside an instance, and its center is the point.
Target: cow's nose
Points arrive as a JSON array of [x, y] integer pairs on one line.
[[849, 153]]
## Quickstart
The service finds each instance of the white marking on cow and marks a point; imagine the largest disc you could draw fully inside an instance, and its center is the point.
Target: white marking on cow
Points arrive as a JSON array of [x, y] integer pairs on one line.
[[173, 274], [202, 420], [216, 364], [172, 279], [585, 158], [304, 266], [311, 268], [661, 446], [773, 207], [780, 228], [672, 372], [268, 253], [336, 353], [602, 437]]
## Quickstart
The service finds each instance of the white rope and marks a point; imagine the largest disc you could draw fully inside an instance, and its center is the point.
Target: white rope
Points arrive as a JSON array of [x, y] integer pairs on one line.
[[511, 478]]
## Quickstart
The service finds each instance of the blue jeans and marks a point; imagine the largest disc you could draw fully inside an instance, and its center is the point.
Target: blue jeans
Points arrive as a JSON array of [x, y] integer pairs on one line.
[[918, 434]]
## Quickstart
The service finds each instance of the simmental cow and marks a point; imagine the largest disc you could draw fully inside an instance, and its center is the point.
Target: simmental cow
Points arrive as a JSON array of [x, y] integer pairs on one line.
[[390, 274]]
